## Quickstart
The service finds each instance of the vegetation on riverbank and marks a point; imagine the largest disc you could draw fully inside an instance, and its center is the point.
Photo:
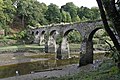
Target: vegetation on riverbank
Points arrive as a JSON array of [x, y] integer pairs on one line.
[[24, 47]]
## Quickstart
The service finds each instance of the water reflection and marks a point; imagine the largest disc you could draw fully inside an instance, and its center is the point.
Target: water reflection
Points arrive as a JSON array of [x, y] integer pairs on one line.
[[36, 63], [26, 63]]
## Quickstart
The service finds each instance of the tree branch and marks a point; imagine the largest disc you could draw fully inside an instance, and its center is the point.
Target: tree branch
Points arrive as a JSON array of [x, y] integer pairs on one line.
[[112, 2], [106, 26]]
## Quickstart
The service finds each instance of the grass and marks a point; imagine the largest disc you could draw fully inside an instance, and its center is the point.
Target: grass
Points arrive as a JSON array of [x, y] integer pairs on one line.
[[31, 47], [50, 56], [73, 45], [21, 47]]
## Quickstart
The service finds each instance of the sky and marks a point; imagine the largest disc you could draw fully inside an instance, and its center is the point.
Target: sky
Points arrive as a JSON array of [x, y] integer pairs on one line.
[[79, 3]]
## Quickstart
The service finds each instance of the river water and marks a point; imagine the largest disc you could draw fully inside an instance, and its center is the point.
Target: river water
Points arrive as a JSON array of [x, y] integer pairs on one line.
[[28, 62]]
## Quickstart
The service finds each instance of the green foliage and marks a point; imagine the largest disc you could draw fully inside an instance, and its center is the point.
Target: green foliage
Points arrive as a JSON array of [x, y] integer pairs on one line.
[[53, 14], [72, 9], [21, 34], [7, 11], [100, 40], [100, 33], [95, 13], [65, 16], [35, 14], [74, 37], [115, 55], [77, 19], [24, 37], [88, 14], [114, 70], [31, 11], [68, 17]]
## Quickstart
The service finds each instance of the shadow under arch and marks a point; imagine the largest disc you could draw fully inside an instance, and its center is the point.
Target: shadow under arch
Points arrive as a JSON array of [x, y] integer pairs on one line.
[[67, 32], [52, 32], [43, 32], [37, 32]]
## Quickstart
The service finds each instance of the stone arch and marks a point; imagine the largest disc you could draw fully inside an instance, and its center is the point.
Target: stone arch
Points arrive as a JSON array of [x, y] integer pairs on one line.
[[71, 28], [67, 32], [65, 48], [53, 31], [100, 40], [43, 32]]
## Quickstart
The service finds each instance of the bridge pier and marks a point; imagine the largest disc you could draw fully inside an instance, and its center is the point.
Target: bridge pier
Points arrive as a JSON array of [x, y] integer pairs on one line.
[[50, 46], [41, 40], [36, 39], [63, 51], [87, 53]]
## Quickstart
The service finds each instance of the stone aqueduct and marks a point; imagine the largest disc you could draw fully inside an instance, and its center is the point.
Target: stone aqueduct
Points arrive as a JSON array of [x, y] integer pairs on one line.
[[49, 33]]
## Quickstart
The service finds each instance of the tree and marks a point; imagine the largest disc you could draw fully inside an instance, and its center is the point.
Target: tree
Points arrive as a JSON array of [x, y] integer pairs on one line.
[[65, 16], [72, 9], [77, 19], [2, 17], [88, 14], [74, 37], [112, 17], [53, 14], [95, 13], [68, 17], [7, 11], [31, 12], [42, 7], [84, 13]]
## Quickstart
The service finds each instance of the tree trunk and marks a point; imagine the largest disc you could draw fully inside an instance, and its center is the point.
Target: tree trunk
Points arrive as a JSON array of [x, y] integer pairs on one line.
[[113, 14], [23, 21], [107, 28]]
